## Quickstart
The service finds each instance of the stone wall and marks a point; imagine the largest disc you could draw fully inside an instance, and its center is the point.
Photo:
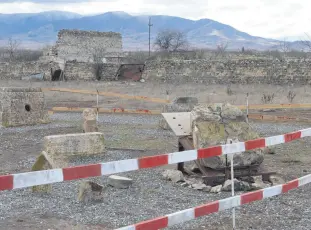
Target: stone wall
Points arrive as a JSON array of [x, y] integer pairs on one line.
[[86, 71], [81, 45], [229, 71], [79, 71], [19, 70]]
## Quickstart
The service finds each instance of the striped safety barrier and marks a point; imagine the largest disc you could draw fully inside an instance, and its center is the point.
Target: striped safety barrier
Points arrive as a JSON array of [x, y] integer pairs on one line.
[[29, 179], [217, 206]]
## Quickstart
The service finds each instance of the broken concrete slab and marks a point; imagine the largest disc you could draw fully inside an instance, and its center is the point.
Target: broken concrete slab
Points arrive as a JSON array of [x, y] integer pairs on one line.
[[119, 182]]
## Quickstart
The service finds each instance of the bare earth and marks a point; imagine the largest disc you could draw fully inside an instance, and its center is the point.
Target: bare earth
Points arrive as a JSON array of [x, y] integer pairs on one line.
[[150, 196]]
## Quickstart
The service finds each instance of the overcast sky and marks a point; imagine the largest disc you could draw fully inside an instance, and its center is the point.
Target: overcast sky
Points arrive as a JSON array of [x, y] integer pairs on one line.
[[267, 18]]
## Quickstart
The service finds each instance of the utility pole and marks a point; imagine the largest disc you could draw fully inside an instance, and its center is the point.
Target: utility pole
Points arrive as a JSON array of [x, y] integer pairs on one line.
[[149, 24]]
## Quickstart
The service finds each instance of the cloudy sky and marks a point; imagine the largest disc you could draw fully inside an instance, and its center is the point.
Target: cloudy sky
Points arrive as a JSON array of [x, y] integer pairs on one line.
[[268, 18]]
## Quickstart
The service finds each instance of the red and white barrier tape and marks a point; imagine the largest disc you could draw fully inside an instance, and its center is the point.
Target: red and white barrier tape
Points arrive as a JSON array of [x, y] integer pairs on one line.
[[217, 206], [29, 179]]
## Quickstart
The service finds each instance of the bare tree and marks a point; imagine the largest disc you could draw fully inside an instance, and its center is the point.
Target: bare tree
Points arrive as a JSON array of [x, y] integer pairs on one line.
[[221, 49], [171, 40], [12, 47], [306, 43], [285, 48]]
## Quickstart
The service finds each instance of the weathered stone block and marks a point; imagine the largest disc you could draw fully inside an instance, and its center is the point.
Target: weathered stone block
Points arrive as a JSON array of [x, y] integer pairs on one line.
[[219, 124], [90, 191], [173, 175], [119, 181], [74, 144], [22, 106], [89, 121]]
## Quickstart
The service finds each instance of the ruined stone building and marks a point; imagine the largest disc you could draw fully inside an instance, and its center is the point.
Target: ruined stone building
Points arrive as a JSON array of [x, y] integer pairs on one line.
[[76, 51], [82, 46]]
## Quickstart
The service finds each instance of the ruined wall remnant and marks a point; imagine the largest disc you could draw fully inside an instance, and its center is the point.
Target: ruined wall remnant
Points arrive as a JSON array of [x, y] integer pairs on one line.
[[22, 106], [229, 71], [79, 71], [81, 45], [86, 71], [20, 70]]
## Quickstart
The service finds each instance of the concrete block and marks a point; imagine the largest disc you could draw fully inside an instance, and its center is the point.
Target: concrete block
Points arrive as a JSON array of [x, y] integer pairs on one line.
[[75, 144]]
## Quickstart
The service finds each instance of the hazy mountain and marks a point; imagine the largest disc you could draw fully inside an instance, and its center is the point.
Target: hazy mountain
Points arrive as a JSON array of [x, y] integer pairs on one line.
[[43, 28]]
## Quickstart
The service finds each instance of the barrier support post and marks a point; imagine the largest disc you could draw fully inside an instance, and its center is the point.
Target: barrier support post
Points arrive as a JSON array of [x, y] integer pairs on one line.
[[247, 107], [97, 104], [232, 189]]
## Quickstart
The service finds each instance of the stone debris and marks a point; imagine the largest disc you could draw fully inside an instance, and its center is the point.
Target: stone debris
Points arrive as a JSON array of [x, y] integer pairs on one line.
[[90, 191], [207, 188], [184, 184], [238, 186], [119, 182], [218, 124], [270, 150], [259, 184], [199, 186], [173, 175], [216, 189], [276, 180]]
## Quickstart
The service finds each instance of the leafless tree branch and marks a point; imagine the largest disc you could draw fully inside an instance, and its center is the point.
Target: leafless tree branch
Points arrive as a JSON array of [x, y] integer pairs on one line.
[[171, 40]]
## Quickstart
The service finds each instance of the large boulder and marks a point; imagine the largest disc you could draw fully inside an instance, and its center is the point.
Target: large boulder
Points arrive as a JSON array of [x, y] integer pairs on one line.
[[219, 124], [180, 104]]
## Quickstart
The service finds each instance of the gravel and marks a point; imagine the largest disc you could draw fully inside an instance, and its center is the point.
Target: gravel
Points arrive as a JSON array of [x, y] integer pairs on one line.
[[150, 195]]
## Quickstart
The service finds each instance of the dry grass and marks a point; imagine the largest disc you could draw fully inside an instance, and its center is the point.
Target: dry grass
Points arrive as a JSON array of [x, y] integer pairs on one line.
[[205, 93]]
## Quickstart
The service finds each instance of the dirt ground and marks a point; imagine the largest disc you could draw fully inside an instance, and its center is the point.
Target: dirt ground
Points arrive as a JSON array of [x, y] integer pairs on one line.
[[235, 94], [20, 147]]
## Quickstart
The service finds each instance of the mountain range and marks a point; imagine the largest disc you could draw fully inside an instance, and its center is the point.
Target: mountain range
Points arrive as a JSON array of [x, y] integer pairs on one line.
[[39, 29]]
